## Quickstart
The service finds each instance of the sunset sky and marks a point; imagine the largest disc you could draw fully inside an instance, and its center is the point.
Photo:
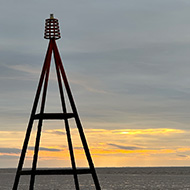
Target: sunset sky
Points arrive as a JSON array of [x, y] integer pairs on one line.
[[128, 65]]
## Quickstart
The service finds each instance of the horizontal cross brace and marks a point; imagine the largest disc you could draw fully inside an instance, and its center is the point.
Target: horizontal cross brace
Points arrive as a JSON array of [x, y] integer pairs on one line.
[[56, 171], [54, 116]]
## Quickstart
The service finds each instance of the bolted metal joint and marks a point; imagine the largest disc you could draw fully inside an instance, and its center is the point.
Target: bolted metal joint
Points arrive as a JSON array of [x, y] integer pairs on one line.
[[52, 28]]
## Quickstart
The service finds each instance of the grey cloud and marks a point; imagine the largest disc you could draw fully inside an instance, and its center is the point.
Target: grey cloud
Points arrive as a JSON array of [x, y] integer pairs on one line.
[[180, 155], [78, 148], [136, 51], [9, 157], [125, 147], [59, 132], [46, 149], [56, 132], [10, 150]]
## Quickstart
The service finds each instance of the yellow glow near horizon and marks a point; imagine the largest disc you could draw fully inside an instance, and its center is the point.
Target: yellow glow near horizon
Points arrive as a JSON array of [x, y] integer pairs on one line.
[[148, 131], [121, 145]]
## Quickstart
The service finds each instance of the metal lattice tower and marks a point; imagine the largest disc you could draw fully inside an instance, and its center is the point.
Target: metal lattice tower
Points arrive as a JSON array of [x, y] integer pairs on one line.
[[52, 33]]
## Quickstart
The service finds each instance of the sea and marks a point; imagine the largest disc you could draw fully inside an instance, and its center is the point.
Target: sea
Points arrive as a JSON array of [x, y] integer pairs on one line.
[[129, 178]]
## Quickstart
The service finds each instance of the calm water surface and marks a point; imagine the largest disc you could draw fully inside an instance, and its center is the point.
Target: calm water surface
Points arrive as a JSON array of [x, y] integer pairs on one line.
[[177, 178]]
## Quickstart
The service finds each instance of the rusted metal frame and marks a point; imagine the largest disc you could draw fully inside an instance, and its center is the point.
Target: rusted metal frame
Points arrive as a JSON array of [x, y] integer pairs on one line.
[[31, 120], [56, 57], [80, 171], [79, 125], [54, 116], [36, 149]]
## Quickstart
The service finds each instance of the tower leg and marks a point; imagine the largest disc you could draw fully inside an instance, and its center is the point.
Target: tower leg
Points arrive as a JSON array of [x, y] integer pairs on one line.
[[79, 125], [36, 150], [67, 127], [30, 124], [32, 179]]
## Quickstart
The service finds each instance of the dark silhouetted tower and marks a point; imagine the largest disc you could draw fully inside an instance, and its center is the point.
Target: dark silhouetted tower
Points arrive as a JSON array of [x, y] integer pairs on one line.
[[52, 33]]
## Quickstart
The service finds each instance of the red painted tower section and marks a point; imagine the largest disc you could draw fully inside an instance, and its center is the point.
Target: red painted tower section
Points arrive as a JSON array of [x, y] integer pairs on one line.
[[52, 33]]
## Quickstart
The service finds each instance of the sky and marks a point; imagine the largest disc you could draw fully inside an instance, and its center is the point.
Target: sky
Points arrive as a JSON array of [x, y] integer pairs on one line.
[[128, 66]]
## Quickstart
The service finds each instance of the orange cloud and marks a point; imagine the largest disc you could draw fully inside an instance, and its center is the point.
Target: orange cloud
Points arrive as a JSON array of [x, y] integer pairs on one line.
[[120, 144]]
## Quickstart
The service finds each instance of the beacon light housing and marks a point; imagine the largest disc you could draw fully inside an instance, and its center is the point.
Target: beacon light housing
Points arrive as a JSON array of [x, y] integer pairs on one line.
[[52, 28]]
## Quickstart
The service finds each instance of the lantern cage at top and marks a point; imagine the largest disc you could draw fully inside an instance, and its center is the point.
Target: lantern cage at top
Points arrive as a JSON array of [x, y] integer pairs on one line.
[[52, 28]]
